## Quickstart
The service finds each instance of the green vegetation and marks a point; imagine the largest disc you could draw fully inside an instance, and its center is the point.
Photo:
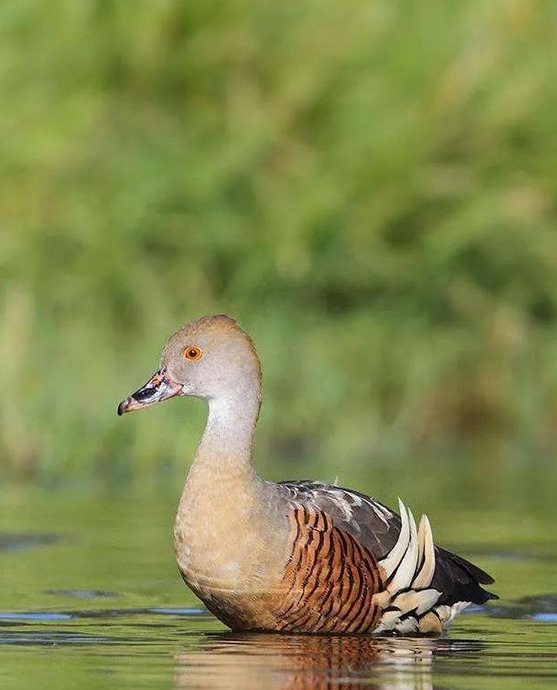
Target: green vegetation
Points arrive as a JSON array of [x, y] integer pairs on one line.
[[368, 186]]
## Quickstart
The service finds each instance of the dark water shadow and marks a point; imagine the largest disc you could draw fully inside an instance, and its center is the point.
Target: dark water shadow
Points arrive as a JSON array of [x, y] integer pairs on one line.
[[16, 541], [541, 607], [533, 552], [47, 616], [81, 593], [53, 638], [90, 627]]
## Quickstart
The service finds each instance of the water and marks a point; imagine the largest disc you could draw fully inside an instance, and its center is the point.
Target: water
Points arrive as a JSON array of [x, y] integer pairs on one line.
[[90, 597]]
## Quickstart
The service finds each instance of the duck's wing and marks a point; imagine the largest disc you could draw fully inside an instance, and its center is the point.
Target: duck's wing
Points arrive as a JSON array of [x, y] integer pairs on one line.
[[372, 523], [382, 532]]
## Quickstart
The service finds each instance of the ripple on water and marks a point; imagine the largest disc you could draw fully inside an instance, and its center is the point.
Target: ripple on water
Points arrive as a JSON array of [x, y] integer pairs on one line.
[[542, 608], [17, 541], [45, 616], [181, 641], [81, 593], [89, 627]]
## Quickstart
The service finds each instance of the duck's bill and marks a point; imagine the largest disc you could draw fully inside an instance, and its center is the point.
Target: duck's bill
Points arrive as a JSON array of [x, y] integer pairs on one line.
[[159, 387]]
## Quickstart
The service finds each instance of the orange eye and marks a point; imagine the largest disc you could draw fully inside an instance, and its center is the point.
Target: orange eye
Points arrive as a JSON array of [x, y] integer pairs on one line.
[[192, 353]]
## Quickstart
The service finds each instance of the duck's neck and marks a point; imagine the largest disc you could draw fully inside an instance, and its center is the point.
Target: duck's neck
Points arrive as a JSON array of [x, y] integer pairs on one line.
[[221, 488], [226, 446], [220, 546]]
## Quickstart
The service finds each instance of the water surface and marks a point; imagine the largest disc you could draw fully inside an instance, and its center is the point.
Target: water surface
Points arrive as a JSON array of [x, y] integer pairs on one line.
[[90, 597]]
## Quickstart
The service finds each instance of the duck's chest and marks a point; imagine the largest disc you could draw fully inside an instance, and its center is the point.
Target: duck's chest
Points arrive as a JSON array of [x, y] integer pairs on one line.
[[226, 544]]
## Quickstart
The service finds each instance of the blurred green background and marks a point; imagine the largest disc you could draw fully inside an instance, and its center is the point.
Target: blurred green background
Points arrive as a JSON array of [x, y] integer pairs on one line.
[[369, 186]]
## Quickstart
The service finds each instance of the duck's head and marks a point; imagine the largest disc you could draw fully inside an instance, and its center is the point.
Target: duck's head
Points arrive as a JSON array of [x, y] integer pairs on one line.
[[209, 358]]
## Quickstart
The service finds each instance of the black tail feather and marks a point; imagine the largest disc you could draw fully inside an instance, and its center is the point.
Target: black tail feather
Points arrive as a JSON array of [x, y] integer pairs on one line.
[[460, 580]]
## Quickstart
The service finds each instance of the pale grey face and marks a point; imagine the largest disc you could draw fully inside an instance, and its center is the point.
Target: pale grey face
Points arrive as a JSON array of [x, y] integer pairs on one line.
[[208, 362], [208, 358]]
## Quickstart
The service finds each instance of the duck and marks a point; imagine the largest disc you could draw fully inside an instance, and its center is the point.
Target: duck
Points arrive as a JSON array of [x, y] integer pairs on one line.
[[298, 556]]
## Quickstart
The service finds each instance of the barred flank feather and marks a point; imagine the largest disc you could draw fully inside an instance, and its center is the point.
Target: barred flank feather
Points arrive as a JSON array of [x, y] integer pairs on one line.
[[330, 579]]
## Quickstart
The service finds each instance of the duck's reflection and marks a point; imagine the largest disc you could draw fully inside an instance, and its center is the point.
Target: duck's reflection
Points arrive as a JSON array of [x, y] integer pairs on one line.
[[254, 661]]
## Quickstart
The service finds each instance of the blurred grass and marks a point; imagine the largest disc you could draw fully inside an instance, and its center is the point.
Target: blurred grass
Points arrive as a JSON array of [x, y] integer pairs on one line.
[[368, 186]]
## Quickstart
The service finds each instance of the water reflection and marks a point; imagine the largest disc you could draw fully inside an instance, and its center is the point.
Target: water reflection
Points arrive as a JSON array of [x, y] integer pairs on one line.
[[285, 662]]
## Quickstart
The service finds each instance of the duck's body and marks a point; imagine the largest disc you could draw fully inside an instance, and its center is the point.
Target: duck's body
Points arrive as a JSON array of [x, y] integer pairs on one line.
[[293, 556]]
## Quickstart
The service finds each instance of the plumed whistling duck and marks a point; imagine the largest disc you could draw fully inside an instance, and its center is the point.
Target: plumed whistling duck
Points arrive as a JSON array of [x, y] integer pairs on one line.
[[294, 556]]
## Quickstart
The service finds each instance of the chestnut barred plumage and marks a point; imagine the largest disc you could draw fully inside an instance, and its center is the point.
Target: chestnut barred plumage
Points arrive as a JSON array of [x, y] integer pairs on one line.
[[330, 579]]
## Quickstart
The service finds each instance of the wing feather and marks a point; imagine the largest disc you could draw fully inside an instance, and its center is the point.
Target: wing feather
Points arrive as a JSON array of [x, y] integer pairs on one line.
[[388, 536]]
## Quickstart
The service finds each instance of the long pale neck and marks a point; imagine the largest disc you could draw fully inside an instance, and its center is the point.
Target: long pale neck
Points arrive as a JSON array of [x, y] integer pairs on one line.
[[220, 545], [222, 480], [224, 453], [225, 448]]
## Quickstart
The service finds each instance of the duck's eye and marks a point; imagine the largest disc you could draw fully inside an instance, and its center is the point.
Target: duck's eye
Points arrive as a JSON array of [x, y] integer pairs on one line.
[[192, 353]]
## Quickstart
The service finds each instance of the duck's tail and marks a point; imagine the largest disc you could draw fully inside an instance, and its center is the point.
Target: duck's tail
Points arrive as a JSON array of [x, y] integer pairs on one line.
[[425, 585]]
